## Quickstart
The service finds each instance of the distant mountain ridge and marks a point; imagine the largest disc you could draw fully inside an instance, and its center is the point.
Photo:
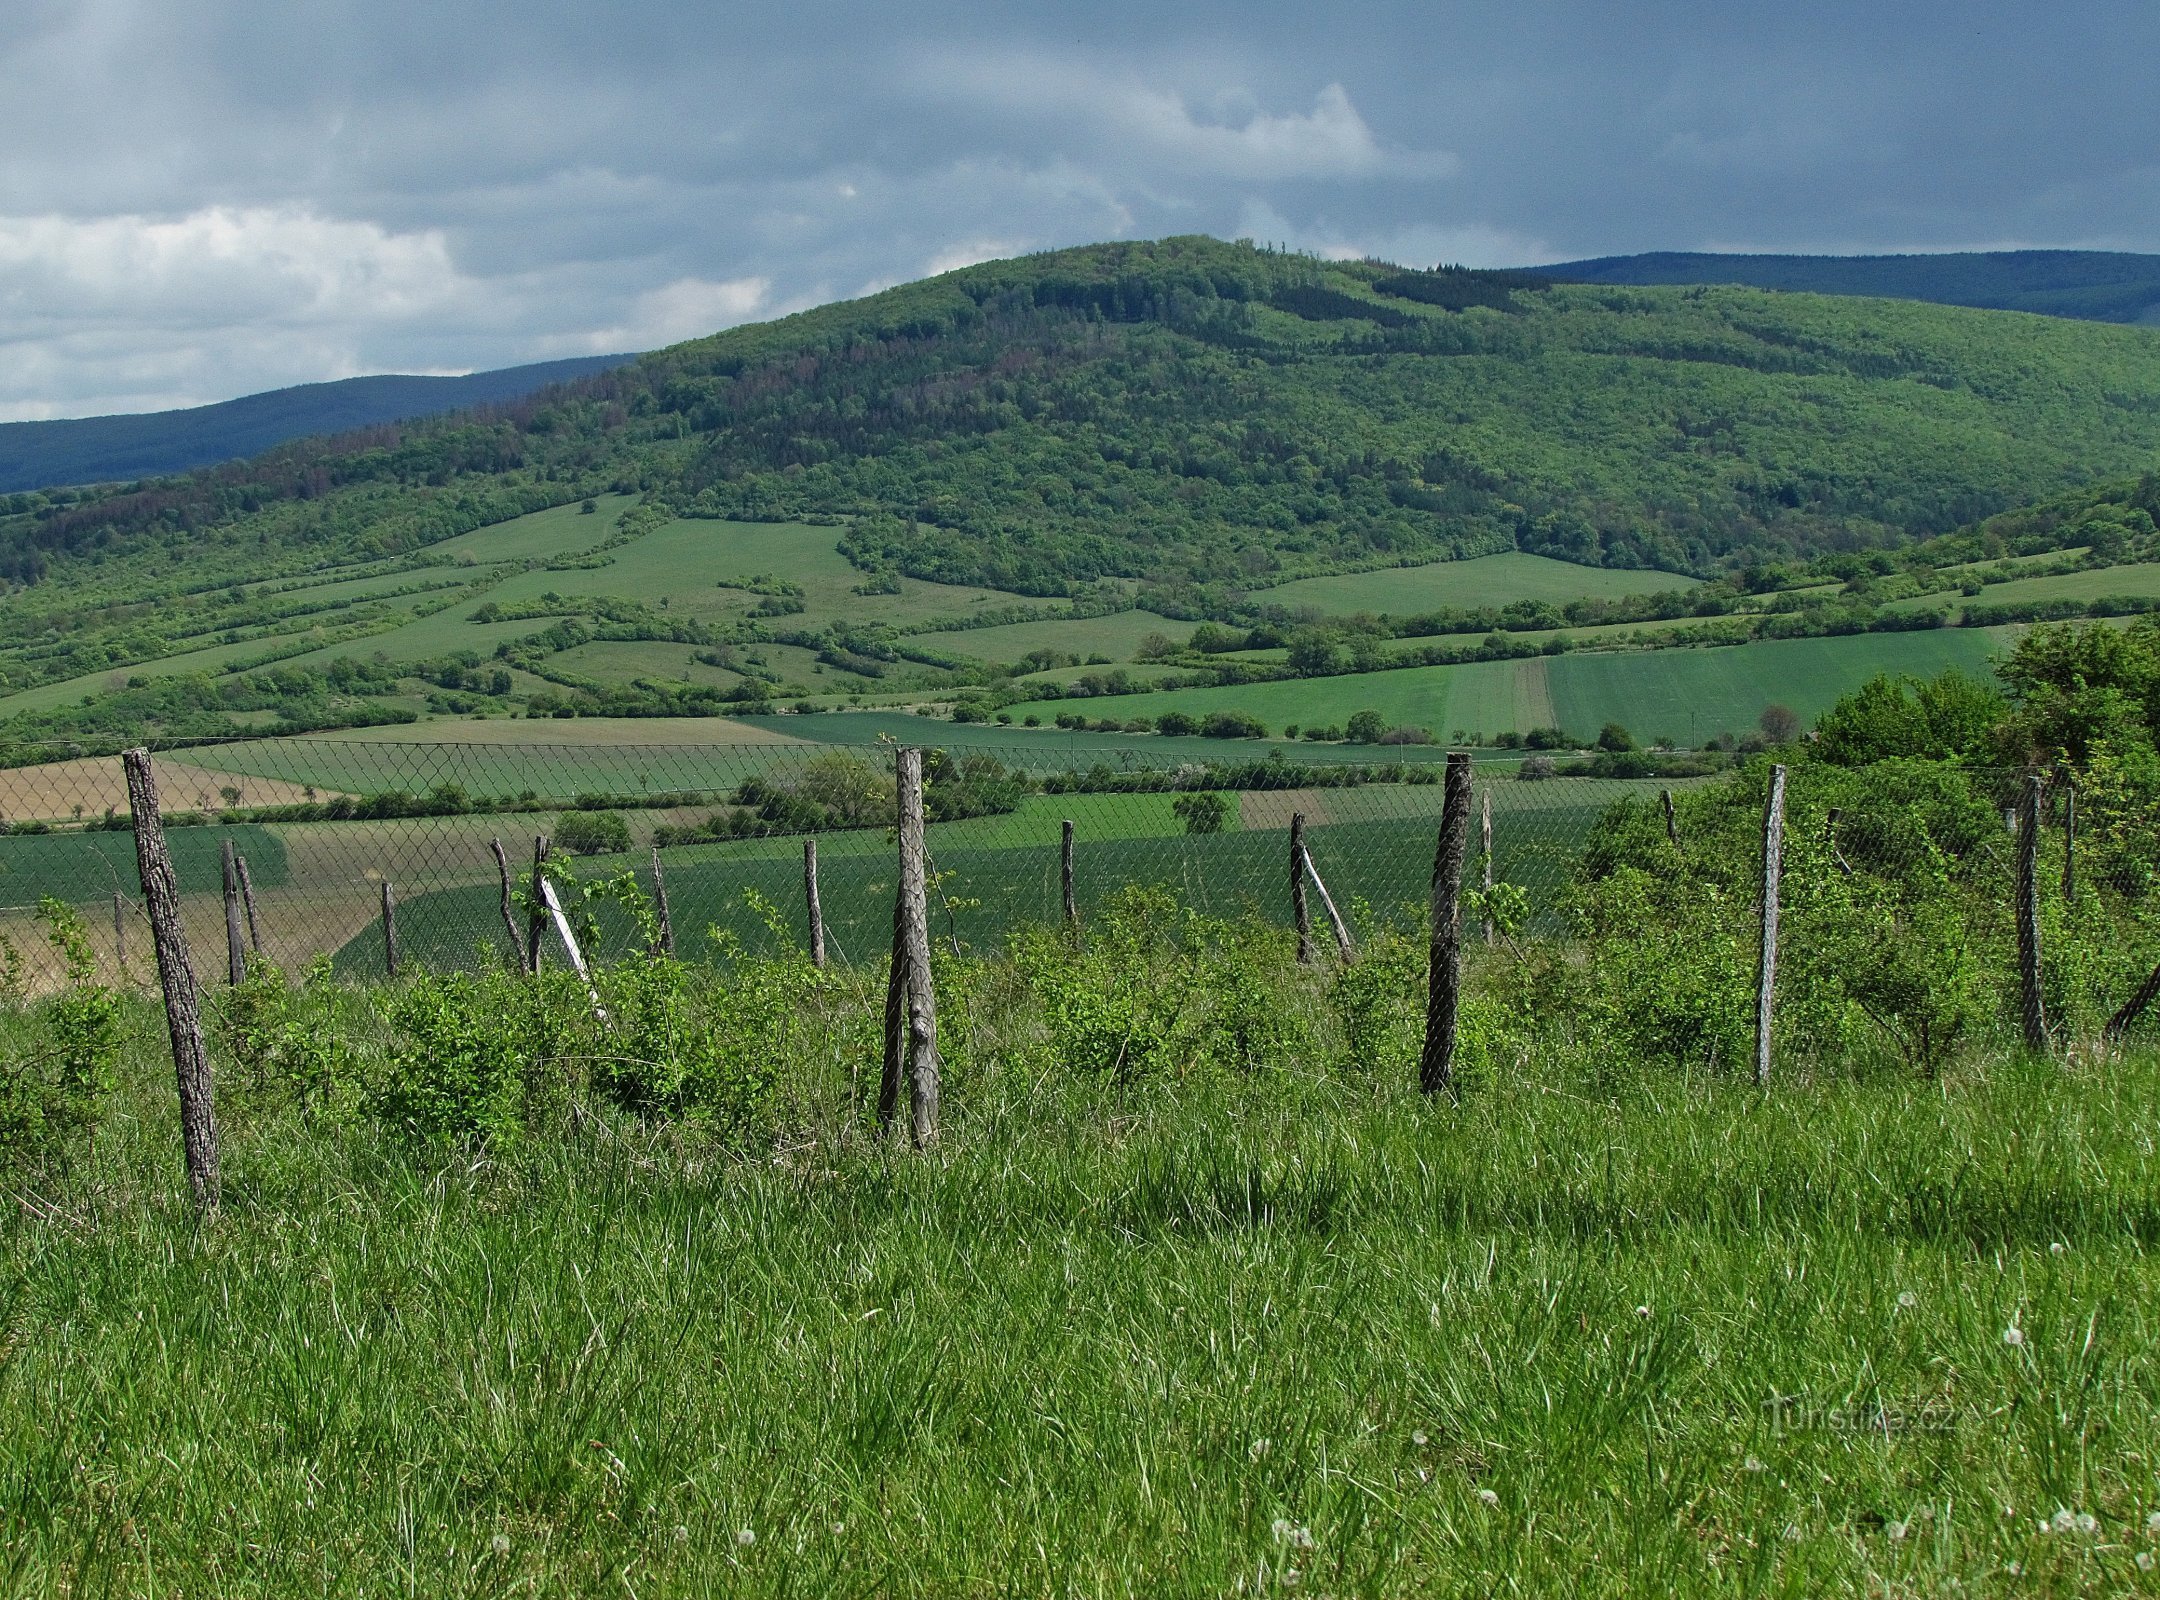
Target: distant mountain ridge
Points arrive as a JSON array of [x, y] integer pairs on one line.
[[2088, 285], [42, 455]]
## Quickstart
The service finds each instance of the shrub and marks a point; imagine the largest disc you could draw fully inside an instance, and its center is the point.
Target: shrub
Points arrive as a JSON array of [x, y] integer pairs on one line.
[[51, 1101], [287, 1039], [1202, 811], [592, 833], [475, 1058]]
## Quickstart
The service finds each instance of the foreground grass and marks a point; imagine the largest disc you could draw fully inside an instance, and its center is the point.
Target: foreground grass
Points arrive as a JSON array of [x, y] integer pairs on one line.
[[1259, 1336]]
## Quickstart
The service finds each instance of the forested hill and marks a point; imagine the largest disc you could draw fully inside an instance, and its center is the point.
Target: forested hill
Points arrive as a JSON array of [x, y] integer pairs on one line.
[[36, 455], [2094, 285], [1189, 412]]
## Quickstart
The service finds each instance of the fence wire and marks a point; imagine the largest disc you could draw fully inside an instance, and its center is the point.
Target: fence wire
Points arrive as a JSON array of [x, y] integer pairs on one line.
[[1876, 867]]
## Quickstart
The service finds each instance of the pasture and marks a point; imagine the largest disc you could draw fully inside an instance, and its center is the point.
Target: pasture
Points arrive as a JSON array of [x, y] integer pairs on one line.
[[1496, 580]]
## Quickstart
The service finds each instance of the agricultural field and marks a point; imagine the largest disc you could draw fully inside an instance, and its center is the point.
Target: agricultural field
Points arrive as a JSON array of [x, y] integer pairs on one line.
[[1116, 637], [1691, 694], [1481, 581]]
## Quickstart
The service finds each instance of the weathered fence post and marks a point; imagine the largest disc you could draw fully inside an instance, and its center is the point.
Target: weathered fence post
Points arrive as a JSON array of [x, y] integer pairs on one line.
[[911, 958], [1344, 946], [119, 927], [1485, 850], [247, 899], [1300, 912], [2030, 1005], [1065, 876], [536, 912], [1672, 819], [660, 905], [1773, 868], [389, 928], [183, 1020], [509, 910], [2069, 884], [235, 948], [1436, 1066], [811, 905]]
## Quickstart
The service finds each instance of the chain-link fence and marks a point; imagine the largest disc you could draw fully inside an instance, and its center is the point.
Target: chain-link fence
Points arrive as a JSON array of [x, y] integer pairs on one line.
[[1884, 871]]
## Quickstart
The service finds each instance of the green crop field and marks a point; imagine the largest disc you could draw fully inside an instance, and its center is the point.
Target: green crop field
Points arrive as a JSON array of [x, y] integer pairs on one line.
[[1117, 636], [85, 868], [1482, 581], [2142, 578], [1691, 694]]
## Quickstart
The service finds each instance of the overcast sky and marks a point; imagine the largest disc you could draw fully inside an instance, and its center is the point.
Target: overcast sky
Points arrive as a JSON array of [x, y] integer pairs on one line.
[[203, 198]]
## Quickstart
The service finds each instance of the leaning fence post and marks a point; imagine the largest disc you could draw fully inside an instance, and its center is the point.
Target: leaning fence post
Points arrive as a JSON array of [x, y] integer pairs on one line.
[[176, 975], [509, 914], [811, 906], [1436, 1066], [247, 899], [235, 949], [1773, 867], [536, 912], [1065, 876], [1344, 946], [1672, 819], [1300, 912], [660, 905], [913, 950], [1485, 843], [389, 928], [2030, 1004]]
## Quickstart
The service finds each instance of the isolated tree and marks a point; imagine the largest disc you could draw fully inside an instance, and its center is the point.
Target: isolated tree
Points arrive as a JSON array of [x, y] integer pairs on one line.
[[1615, 739], [592, 833], [1364, 727], [1780, 724], [1202, 811]]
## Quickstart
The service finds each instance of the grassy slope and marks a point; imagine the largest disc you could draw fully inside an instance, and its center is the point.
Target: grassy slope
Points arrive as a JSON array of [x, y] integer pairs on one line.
[[1481, 581], [1136, 1343], [1691, 694]]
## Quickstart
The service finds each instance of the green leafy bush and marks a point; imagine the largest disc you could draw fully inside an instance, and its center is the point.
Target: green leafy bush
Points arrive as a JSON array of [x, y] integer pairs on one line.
[[52, 1098]]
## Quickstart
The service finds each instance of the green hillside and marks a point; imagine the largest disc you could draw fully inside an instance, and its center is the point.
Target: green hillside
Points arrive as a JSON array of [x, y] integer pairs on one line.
[[1083, 457]]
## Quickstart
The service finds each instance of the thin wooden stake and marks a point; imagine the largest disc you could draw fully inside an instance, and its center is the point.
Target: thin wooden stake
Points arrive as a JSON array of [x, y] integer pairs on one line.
[[889, 1082], [1065, 876], [2032, 1008], [1300, 912], [1436, 1065], [1837, 854], [247, 899], [176, 975], [235, 947], [1672, 819], [389, 928], [1344, 947], [922, 1047], [1773, 867], [570, 944], [119, 927], [811, 905], [509, 910], [1485, 850], [536, 912], [660, 906]]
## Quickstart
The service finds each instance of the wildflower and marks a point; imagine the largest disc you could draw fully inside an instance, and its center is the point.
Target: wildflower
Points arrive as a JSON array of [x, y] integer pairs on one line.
[[1897, 1530], [2145, 1561], [2056, 1248], [2152, 1523], [839, 1527], [1419, 1440], [2014, 1336], [2087, 1523], [2013, 1569], [745, 1537], [500, 1544], [1907, 1300], [1753, 1464], [1489, 1497], [1642, 1311], [1280, 1527], [2064, 1521]]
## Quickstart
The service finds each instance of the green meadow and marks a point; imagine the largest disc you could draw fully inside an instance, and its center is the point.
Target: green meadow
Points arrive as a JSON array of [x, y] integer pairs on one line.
[[1496, 580]]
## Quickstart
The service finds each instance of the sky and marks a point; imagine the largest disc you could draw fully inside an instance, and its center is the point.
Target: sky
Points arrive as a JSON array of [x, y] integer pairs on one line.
[[207, 198]]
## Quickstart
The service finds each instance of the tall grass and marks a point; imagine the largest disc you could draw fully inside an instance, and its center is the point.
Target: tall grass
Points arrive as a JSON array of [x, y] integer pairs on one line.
[[1292, 1330]]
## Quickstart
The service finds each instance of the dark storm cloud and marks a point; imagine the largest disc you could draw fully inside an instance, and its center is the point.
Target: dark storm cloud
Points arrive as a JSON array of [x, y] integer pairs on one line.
[[208, 197]]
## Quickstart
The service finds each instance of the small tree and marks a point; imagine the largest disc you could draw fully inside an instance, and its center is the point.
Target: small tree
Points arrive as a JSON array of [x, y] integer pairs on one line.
[[1615, 739], [1202, 811], [1365, 727], [1780, 724], [592, 833]]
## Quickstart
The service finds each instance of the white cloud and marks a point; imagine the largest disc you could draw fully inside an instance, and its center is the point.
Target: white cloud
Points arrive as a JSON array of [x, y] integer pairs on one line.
[[1417, 244], [685, 309], [970, 251]]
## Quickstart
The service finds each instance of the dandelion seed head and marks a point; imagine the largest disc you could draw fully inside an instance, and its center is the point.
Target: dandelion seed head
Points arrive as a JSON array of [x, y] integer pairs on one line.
[[500, 1544], [1908, 1300], [746, 1537], [1489, 1497], [2014, 1336], [2145, 1561], [1897, 1530], [1419, 1440], [1280, 1527], [2152, 1523], [2087, 1523], [1753, 1464], [2064, 1521], [2056, 1248]]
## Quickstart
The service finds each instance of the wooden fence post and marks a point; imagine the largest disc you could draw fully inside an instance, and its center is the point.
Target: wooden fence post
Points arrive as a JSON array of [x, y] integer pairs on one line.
[[389, 928], [509, 910], [2069, 883], [889, 1082], [1672, 819], [2030, 1005], [119, 927], [1065, 876], [660, 905], [811, 905], [176, 975], [1300, 912], [247, 899], [1485, 842], [912, 956], [536, 912], [1436, 1066], [235, 947], [1344, 945], [1773, 867]]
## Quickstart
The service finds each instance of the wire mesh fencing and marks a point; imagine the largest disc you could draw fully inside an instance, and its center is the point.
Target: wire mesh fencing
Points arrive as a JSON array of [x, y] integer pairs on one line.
[[1900, 890]]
